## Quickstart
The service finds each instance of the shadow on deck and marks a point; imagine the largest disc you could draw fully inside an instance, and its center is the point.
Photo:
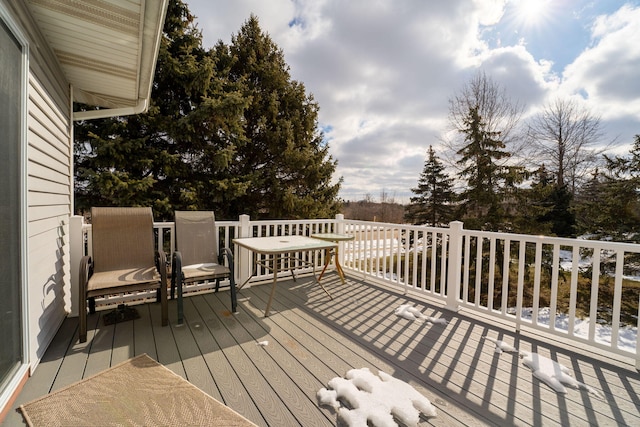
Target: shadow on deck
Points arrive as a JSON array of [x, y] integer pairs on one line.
[[312, 339]]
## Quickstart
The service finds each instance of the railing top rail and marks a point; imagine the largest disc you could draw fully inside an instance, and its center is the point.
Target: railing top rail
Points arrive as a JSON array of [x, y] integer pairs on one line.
[[293, 221], [396, 225], [562, 241]]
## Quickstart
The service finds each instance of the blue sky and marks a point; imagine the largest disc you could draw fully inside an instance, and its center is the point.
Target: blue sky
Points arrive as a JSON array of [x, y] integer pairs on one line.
[[383, 71]]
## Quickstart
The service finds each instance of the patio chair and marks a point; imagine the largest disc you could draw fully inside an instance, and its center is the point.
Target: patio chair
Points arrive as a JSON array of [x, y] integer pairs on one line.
[[124, 260], [196, 257]]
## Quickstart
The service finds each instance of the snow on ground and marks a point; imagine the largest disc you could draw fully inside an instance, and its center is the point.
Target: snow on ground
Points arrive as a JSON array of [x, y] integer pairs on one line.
[[362, 399], [627, 335]]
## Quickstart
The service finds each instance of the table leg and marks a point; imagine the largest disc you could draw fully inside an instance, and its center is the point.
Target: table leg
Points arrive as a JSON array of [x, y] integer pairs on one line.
[[339, 267], [276, 262], [253, 273], [327, 261]]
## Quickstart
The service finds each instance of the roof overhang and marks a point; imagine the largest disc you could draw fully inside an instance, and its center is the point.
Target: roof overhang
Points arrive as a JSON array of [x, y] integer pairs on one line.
[[106, 48]]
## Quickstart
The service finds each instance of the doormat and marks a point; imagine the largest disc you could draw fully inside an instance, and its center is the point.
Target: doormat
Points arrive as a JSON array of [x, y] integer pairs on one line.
[[138, 392], [121, 314]]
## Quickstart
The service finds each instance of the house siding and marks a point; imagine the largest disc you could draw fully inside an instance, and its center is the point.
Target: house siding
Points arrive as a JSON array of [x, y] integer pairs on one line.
[[49, 199], [49, 186]]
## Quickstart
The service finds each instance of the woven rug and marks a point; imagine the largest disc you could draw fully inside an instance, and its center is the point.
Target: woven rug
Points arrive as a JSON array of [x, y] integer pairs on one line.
[[138, 392]]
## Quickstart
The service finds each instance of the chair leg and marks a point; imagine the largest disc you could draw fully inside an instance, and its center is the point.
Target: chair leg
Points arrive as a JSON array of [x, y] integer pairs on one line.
[[164, 303], [234, 300], [92, 305], [82, 314], [180, 302]]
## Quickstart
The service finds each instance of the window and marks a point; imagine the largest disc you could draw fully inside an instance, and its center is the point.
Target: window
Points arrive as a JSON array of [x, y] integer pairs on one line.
[[11, 136]]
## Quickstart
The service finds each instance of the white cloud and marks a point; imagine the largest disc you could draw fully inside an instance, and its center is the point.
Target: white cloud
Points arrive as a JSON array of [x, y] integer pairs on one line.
[[383, 71], [607, 72]]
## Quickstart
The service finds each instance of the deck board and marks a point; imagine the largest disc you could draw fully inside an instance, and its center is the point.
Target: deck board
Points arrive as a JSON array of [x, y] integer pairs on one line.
[[312, 339]]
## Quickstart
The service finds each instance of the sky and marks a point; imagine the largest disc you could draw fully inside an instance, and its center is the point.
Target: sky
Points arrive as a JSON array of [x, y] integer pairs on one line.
[[383, 71]]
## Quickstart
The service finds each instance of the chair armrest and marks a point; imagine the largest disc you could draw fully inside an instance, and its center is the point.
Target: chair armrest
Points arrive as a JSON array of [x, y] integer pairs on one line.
[[176, 263], [86, 270], [226, 252], [161, 265]]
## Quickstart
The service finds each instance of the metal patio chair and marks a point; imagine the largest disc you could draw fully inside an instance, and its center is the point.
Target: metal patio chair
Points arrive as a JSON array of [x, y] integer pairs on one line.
[[197, 258], [124, 260]]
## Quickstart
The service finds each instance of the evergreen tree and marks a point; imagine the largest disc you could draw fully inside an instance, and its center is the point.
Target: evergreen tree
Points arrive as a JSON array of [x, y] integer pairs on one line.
[[226, 131], [489, 183], [283, 162], [609, 205], [432, 204], [534, 205], [145, 159]]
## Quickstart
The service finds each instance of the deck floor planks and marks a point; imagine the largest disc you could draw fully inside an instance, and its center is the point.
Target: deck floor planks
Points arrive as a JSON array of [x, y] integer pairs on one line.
[[258, 387], [291, 358], [100, 348], [279, 379], [312, 339], [229, 385], [357, 357], [166, 348], [526, 415], [195, 367], [397, 369], [74, 363], [449, 369], [466, 360], [123, 342], [144, 341]]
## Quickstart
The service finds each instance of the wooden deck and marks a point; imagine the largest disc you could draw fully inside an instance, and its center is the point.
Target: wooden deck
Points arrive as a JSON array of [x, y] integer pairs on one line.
[[312, 339]]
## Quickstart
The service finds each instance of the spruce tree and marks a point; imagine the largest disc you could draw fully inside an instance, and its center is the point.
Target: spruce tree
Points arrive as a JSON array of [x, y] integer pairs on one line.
[[283, 162], [227, 130], [488, 182], [148, 159], [434, 194], [608, 206]]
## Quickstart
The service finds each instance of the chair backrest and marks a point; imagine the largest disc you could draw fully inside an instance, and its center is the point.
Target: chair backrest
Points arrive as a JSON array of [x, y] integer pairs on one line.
[[122, 238], [195, 237]]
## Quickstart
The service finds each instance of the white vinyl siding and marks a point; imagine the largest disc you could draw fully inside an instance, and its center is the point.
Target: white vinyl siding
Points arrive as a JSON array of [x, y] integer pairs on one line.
[[49, 191]]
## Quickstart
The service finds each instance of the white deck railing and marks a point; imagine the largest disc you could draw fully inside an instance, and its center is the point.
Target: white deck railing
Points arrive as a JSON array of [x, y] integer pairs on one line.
[[545, 283]]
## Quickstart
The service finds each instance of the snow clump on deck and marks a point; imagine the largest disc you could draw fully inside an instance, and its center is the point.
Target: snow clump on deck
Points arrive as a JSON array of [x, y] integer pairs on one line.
[[409, 312], [379, 400], [552, 373]]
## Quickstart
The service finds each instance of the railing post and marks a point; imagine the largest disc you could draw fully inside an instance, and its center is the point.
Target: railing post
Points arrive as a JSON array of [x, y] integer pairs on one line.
[[76, 252], [454, 261], [244, 263], [340, 230]]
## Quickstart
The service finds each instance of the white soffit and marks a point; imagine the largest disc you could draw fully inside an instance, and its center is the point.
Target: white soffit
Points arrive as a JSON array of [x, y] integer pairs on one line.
[[106, 48]]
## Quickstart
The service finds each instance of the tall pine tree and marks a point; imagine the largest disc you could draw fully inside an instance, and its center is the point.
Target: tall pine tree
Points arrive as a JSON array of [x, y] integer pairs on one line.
[[488, 181], [283, 161], [227, 130], [434, 195]]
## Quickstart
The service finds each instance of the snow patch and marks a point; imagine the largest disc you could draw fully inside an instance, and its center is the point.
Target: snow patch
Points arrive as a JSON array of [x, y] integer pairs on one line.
[[407, 311], [362, 398], [501, 345], [554, 374]]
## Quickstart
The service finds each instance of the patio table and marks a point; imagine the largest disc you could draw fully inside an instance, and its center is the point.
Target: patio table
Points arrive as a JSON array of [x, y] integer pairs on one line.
[[277, 249], [333, 237]]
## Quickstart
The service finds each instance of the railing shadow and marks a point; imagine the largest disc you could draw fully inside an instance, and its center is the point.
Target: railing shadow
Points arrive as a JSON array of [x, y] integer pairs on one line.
[[457, 366]]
